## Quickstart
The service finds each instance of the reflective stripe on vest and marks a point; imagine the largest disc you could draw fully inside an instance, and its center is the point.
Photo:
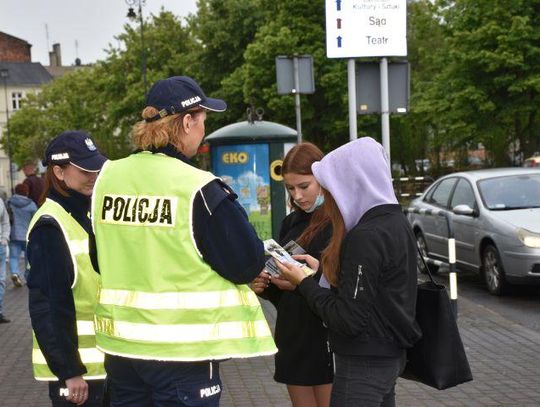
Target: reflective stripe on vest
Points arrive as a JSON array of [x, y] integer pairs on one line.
[[85, 289], [159, 300], [182, 333], [177, 300]]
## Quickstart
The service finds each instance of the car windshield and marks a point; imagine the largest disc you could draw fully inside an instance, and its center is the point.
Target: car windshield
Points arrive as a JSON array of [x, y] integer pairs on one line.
[[511, 192]]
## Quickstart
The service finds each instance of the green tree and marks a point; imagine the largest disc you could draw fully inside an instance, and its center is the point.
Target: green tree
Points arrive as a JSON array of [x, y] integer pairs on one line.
[[475, 77], [417, 135], [223, 29], [105, 99], [488, 87], [67, 103], [295, 28]]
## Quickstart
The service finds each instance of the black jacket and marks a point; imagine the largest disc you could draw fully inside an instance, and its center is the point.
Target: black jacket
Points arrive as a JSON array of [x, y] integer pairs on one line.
[[51, 305], [372, 311]]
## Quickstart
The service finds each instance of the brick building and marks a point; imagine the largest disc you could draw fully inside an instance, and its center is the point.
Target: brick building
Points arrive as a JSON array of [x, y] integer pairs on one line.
[[19, 76], [13, 49]]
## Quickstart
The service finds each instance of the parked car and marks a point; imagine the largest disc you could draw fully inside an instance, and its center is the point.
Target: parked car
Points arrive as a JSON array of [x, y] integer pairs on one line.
[[532, 161], [495, 214]]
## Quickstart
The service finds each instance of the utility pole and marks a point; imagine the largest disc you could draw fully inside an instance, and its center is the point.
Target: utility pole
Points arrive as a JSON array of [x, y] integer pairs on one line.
[[132, 15], [4, 73]]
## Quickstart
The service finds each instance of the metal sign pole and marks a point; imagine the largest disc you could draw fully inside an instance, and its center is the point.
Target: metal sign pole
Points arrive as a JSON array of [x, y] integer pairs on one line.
[[385, 110], [351, 76], [297, 100]]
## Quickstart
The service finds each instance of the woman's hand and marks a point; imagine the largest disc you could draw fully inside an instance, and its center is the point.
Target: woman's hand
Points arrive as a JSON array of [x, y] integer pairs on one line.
[[77, 390], [311, 261], [292, 273], [282, 283], [261, 282]]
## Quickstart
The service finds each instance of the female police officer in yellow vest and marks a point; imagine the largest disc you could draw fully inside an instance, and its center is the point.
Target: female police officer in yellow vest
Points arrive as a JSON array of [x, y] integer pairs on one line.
[[62, 282], [175, 251]]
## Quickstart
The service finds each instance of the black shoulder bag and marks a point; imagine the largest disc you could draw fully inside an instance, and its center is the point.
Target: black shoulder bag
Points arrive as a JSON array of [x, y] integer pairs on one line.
[[438, 359]]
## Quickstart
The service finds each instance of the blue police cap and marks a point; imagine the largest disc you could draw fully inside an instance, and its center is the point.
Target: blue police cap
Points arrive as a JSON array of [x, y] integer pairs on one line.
[[74, 147], [179, 94]]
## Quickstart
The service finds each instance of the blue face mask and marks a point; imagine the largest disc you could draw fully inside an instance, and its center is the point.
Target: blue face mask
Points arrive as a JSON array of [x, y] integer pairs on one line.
[[318, 202]]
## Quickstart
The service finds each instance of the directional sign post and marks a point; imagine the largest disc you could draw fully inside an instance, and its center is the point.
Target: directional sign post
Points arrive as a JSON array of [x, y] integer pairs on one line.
[[295, 75], [368, 90], [367, 28]]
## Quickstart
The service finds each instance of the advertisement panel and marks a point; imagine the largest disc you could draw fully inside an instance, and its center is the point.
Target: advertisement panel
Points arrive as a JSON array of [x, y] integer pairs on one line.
[[245, 168]]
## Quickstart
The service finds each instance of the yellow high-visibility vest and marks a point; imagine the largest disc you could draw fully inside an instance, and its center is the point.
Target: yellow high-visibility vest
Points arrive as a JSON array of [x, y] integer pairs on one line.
[[159, 299], [85, 291]]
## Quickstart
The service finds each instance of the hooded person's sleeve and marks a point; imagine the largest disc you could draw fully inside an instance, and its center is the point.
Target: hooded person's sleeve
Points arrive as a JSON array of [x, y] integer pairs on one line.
[[347, 309]]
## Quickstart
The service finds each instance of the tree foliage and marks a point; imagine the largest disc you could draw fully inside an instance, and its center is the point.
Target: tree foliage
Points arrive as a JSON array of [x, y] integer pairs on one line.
[[475, 78], [488, 88], [104, 99]]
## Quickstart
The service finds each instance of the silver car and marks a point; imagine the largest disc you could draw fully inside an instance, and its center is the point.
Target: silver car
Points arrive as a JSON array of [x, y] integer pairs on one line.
[[495, 214]]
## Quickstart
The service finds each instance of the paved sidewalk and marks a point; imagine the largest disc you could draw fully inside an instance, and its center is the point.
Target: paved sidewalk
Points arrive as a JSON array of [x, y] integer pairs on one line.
[[505, 359]]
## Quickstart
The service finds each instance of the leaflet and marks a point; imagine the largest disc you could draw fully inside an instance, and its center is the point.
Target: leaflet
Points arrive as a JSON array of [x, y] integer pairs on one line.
[[283, 255]]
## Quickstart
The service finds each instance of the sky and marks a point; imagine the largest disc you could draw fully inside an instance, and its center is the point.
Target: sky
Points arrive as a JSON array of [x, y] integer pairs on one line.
[[92, 23]]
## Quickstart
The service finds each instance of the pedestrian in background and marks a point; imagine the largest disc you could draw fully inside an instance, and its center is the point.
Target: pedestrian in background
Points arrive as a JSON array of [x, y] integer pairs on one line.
[[4, 240], [21, 209], [63, 282], [304, 360], [34, 183], [371, 264], [175, 253]]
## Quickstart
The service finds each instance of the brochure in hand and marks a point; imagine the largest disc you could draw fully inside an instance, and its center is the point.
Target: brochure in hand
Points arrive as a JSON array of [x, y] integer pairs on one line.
[[283, 254]]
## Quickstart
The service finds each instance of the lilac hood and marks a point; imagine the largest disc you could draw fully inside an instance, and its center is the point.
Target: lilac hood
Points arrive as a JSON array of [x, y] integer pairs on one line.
[[358, 176]]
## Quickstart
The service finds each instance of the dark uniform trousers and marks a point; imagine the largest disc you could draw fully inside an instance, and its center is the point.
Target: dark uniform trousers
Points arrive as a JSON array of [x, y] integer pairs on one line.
[[141, 383]]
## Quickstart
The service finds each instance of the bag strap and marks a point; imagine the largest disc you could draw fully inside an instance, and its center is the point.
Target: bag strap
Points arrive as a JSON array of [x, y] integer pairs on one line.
[[425, 265]]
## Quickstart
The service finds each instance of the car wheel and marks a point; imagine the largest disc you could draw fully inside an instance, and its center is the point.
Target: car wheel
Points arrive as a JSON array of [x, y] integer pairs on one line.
[[422, 246], [493, 271]]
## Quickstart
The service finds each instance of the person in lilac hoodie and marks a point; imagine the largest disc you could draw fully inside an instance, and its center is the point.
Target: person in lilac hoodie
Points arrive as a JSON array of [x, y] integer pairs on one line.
[[370, 264]]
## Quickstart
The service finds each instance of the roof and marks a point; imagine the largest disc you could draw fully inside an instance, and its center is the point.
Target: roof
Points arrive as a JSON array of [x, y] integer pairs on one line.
[[26, 73], [59, 71], [495, 172], [257, 131], [15, 38]]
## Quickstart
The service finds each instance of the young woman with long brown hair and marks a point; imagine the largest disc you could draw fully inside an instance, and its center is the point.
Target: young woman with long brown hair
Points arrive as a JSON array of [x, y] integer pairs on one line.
[[303, 361], [371, 264]]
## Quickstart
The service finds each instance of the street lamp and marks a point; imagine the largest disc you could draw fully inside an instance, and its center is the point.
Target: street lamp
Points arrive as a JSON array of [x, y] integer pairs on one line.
[[133, 15], [4, 74]]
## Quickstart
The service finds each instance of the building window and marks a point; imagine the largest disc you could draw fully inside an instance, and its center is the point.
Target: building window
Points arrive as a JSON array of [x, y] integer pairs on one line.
[[16, 100]]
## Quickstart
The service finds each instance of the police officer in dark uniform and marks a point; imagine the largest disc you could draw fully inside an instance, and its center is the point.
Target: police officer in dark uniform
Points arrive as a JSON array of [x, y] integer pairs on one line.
[[175, 251]]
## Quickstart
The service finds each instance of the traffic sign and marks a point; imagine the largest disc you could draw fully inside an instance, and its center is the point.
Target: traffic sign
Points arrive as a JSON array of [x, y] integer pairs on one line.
[[285, 75], [368, 87], [366, 28]]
